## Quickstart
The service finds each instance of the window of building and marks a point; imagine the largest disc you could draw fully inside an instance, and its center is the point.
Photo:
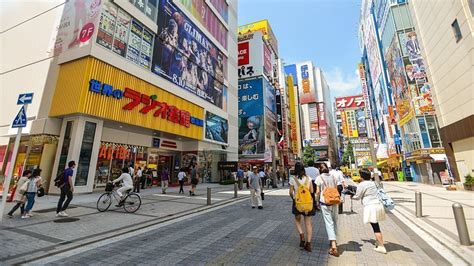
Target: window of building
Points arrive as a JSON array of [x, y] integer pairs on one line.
[[432, 126], [147, 7], [65, 147], [85, 154], [424, 133], [402, 17], [456, 30]]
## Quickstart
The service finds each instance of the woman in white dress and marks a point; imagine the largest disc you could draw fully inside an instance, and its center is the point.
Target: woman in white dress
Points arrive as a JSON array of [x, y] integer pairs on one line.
[[374, 211]]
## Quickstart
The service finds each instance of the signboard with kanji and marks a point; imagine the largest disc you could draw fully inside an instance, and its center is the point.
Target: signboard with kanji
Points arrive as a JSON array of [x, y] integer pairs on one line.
[[356, 101]]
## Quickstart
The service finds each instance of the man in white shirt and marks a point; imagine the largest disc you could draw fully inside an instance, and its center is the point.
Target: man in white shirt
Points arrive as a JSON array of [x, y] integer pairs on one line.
[[138, 179], [341, 184], [313, 173], [127, 183]]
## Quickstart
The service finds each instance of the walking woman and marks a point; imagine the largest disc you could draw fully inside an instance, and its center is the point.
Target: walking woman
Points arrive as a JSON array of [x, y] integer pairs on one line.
[[373, 208], [19, 197], [301, 179], [34, 183], [181, 177], [194, 180], [326, 182]]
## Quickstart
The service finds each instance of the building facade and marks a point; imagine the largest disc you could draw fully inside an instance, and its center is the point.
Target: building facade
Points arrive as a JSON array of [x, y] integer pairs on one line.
[[119, 83], [447, 45]]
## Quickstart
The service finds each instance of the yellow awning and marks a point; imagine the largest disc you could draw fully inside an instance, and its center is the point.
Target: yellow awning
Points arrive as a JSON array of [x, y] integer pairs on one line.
[[382, 162]]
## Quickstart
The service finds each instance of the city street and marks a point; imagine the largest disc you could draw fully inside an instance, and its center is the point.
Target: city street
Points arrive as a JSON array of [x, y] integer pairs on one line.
[[231, 233]]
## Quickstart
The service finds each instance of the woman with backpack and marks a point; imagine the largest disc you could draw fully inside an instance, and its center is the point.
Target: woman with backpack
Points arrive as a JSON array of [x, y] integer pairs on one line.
[[329, 199], [301, 188], [19, 197], [373, 209]]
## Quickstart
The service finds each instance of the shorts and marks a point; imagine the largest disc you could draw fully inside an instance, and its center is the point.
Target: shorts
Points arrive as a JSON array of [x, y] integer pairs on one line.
[[296, 212]]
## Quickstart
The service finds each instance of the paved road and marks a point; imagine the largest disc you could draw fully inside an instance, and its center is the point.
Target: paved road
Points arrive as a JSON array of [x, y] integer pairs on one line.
[[237, 234]]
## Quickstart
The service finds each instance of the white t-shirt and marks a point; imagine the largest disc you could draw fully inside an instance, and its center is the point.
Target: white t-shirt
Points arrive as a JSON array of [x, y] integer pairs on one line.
[[312, 172], [329, 180], [139, 173], [338, 175], [181, 175], [126, 179], [301, 181], [261, 174], [131, 171]]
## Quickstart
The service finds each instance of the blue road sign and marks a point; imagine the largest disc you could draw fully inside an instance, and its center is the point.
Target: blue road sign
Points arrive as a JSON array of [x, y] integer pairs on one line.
[[20, 119], [25, 98]]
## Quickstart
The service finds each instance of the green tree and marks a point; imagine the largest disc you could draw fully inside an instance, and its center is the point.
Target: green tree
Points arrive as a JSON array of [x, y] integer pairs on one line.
[[348, 152], [308, 154]]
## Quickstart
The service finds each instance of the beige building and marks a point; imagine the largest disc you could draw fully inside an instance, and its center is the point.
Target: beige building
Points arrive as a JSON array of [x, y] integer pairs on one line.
[[445, 31]]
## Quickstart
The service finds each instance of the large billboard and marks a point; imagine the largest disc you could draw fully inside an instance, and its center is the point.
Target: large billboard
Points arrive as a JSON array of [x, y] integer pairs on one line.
[[254, 58], [251, 117], [269, 92], [264, 27], [186, 57], [306, 83], [293, 115], [361, 124], [217, 128], [396, 69]]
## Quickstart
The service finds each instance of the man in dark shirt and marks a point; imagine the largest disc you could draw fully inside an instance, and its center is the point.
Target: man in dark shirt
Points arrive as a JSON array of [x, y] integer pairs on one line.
[[67, 189]]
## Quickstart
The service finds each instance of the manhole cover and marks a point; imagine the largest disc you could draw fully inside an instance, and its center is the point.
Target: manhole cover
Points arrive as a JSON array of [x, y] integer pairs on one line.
[[66, 220]]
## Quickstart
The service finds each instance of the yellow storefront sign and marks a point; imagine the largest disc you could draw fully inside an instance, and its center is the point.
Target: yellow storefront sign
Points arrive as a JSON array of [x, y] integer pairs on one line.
[[264, 27], [92, 87], [292, 102]]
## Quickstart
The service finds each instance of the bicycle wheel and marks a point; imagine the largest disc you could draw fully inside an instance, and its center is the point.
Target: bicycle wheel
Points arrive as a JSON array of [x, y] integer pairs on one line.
[[132, 203], [104, 201]]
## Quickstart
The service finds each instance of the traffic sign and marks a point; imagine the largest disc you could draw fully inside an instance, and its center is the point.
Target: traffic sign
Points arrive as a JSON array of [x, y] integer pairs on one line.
[[25, 98], [20, 119]]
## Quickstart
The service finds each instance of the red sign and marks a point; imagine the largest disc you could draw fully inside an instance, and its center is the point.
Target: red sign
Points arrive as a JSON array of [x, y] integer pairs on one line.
[[356, 101], [267, 60], [111, 152], [244, 57]]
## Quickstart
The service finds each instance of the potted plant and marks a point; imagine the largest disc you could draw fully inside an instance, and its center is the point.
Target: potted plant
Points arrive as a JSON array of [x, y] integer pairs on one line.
[[468, 182]]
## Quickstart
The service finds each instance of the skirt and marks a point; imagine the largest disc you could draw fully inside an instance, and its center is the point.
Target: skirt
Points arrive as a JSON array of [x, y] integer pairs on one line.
[[296, 212], [374, 213]]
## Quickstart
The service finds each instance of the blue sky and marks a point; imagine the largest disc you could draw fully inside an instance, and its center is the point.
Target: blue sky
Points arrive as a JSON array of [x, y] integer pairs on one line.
[[323, 31]]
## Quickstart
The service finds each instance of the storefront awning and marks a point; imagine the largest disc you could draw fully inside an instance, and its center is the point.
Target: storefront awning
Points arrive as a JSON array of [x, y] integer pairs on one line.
[[438, 157]]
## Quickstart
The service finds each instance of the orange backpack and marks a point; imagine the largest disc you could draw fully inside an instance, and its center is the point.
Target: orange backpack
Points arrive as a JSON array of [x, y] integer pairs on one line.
[[330, 194]]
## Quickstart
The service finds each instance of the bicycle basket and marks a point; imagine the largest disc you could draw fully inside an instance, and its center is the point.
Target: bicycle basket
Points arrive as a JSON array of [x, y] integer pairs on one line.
[[109, 187]]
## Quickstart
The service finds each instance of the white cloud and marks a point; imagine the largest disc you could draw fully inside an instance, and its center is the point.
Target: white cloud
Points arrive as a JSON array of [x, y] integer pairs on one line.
[[342, 84]]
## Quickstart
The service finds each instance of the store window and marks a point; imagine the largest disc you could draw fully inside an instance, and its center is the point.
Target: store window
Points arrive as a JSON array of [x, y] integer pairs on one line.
[[85, 154], [424, 132], [65, 147]]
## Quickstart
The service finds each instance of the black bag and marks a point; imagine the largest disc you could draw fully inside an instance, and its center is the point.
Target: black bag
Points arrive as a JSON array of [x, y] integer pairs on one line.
[[109, 186], [59, 180], [40, 192], [262, 195]]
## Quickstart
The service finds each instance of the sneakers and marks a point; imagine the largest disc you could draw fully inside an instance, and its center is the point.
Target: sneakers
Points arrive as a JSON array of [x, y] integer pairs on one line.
[[61, 214], [380, 249], [29, 214], [25, 216], [260, 207]]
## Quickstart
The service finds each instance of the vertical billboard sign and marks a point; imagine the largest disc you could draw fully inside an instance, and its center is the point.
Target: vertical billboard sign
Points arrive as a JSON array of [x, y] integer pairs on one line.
[[251, 117], [345, 130], [322, 120], [217, 128], [279, 112], [306, 85], [267, 62], [269, 93], [183, 55], [365, 91], [251, 58], [292, 103], [361, 125], [121, 33], [351, 124]]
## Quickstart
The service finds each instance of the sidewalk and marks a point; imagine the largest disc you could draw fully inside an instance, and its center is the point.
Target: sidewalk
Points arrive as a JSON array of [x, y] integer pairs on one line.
[[45, 232], [438, 219]]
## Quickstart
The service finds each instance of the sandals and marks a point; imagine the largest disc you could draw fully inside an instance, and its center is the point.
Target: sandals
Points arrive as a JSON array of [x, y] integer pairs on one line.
[[333, 252]]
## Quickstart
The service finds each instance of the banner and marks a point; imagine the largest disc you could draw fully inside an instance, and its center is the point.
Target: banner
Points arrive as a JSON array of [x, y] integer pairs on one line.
[[269, 92], [345, 131], [347, 102], [404, 111], [306, 84], [77, 25], [293, 115], [202, 13], [351, 124], [396, 69], [365, 90], [279, 112], [183, 55], [361, 125], [251, 117], [222, 8], [217, 128], [322, 120]]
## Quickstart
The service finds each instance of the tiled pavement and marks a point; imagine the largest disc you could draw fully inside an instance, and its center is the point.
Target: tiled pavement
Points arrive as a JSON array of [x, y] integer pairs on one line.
[[237, 234]]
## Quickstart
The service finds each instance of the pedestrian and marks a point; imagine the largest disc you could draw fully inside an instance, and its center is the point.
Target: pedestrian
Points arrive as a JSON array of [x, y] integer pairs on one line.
[[137, 180], [131, 170], [194, 180], [329, 198], [374, 211], [247, 174], [261, 174], [278, 175], [144, 177], [341, 184], [181, 177], [149, 178], [165, 177], [255, 186], [20, 197], [300, 184], [283, 178], [67, 190], [313, 173], [34, 182], [240, 178]]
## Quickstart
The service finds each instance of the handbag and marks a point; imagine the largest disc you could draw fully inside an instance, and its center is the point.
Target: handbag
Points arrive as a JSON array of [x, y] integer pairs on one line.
[[40, 192]]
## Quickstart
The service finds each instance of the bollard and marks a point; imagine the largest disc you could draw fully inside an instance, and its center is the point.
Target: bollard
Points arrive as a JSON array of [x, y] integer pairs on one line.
[[208, 196], [418, 205], [461, 225], [235, 190]]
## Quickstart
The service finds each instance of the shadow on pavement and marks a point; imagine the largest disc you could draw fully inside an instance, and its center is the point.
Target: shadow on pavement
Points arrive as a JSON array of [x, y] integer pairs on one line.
[[350, 246], [389, 246]]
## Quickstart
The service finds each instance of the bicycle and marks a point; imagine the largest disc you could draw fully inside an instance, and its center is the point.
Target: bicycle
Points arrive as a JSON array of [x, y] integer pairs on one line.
[[131, 201]]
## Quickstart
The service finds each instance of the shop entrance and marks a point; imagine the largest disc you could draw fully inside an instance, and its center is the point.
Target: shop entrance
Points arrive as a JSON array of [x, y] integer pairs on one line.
[[165, 161]]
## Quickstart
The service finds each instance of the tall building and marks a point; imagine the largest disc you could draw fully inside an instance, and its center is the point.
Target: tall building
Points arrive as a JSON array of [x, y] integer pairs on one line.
[[258, 72], [115, 83], [447, 46], [315, 109]]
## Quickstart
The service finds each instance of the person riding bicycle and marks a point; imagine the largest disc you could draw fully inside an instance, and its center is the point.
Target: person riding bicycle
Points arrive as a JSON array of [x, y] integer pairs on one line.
[[127, 181]]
